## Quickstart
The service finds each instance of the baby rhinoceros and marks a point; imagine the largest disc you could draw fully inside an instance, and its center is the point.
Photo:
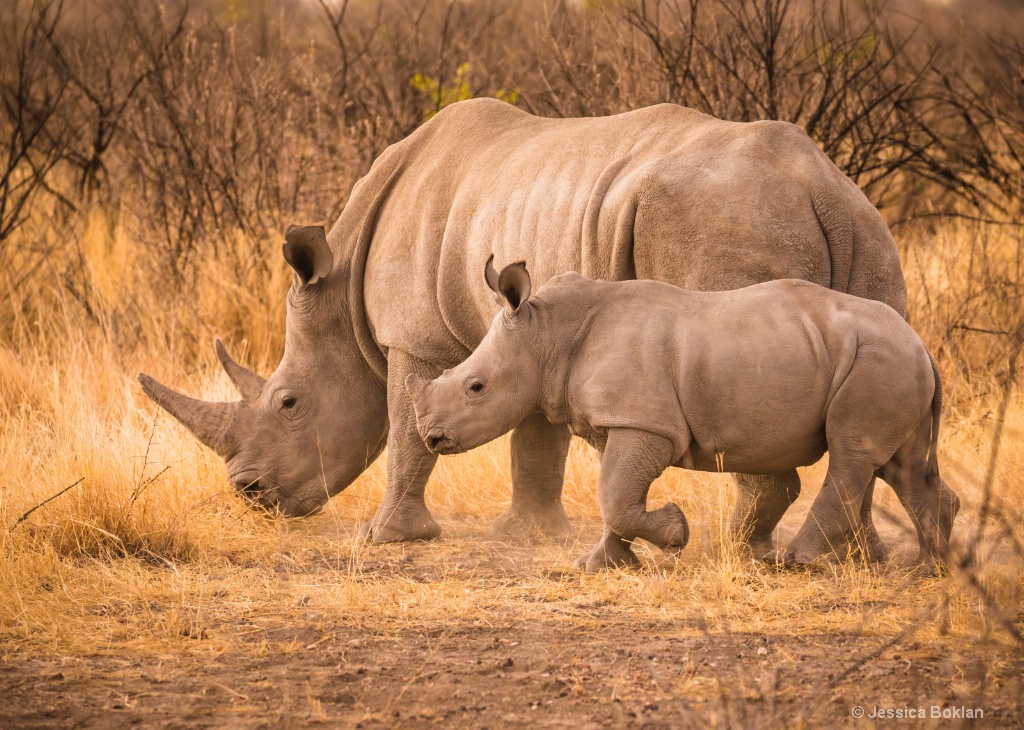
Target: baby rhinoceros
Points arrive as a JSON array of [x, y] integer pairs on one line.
[[756, 380]]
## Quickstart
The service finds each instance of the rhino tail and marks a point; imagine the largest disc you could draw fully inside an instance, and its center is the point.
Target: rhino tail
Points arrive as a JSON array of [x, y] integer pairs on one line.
[[837, 224], [949, 501], [932, 472]]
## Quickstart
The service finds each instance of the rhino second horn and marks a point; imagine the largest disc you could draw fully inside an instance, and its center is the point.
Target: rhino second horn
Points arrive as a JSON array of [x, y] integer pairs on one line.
[[249, 384], [211, 423]]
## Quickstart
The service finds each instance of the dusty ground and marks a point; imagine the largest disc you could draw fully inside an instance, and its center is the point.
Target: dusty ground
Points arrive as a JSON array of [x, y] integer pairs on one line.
[[147, 594], [476, 631]]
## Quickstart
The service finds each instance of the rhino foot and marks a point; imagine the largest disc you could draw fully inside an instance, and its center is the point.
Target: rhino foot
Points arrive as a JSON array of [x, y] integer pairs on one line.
[[667, 528], [929, 567], [791, 558], [764, 550], [400, 528], [775, 556], [871, 548], [611, 552], [868, 548], [518, 522]]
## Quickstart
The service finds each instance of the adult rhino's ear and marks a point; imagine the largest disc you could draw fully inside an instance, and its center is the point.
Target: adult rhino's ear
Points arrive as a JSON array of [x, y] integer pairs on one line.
[[512, 284], [307, 252]]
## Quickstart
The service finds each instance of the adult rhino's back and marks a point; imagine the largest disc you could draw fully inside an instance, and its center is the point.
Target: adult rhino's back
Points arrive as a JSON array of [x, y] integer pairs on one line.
[[663, 193]]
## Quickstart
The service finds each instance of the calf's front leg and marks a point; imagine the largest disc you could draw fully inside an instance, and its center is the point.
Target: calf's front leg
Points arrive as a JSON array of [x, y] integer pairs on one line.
[[632, 460], [611, 551], [403, 514]]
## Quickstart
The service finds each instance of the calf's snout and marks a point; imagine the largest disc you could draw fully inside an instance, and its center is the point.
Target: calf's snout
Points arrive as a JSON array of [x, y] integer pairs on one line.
[[438, 442]]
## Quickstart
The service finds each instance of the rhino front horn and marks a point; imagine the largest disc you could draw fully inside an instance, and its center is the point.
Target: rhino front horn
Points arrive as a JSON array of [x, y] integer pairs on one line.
[[249, 384], [211, 423]]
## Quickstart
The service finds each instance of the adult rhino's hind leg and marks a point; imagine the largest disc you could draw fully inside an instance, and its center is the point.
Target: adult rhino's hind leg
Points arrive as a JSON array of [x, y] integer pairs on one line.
[[761, 501], [539, 449], [403, 514]]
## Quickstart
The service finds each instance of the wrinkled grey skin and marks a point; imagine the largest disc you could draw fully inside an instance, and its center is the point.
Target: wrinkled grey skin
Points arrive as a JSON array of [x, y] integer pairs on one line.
[[758, 380], [662, 193], [306, 432]]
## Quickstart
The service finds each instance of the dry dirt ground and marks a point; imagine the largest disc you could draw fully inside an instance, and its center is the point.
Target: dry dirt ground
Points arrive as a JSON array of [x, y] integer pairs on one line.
[[477, 631]]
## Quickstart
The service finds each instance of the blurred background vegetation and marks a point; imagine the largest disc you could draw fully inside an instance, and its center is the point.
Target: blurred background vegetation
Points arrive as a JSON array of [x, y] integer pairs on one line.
[[150, 151], [152, 154], [191, 124]]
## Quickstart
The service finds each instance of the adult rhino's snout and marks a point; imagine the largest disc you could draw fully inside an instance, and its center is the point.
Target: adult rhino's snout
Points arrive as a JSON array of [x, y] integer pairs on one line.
[[250, 488], [260, 494]]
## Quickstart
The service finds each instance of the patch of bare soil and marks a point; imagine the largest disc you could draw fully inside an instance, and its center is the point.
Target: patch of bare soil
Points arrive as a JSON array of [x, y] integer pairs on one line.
[[564, 658]]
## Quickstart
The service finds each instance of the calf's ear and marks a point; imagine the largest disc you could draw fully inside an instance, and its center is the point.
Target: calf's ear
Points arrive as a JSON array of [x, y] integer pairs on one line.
[[512, 284], [307, 252]]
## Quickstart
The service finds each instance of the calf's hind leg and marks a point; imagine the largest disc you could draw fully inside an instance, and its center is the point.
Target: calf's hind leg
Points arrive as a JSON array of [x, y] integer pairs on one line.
[[871, 547], [632, 460], [929, 501], [867, 421], [833, 521], [761, 502]]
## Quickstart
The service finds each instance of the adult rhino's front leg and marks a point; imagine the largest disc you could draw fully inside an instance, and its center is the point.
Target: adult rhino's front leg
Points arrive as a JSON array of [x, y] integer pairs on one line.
[[539, 449], [403, 515], [761, 501]]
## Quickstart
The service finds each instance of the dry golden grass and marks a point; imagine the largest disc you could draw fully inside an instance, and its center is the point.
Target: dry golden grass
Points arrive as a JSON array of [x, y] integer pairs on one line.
[[151, 551]]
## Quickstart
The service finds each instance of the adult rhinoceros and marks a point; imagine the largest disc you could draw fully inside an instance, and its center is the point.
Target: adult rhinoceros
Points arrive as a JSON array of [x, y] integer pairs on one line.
[[662, 193]]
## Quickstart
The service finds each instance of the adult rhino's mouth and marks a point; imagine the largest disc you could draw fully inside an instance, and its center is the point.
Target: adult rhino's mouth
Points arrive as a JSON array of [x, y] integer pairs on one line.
[[257, 491], [261, 494]]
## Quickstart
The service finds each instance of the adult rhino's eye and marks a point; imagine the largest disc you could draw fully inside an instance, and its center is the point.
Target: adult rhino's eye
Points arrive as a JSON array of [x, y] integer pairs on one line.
[[476, 387], [288, 402]]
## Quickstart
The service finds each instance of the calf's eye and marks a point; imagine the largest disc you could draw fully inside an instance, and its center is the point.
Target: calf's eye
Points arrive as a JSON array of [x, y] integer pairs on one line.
[[288, 402], [476, 387]]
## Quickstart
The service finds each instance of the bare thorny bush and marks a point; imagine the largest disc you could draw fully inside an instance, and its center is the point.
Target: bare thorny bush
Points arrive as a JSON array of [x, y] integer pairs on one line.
[[221, 119], [200, 130]]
